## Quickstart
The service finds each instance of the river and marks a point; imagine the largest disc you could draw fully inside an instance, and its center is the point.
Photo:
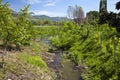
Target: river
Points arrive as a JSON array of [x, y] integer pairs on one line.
[[64, 68]]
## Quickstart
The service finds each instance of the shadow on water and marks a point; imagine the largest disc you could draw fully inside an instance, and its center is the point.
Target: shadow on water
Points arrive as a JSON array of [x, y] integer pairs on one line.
[[63, 67]]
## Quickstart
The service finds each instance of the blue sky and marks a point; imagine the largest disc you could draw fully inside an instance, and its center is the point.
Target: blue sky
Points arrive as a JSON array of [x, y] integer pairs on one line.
[[58, 7]]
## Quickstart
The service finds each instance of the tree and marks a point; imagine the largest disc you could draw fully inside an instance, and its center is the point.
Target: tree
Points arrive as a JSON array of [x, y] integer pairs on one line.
[[103, 6], [76, 13], [103, 11], [118, 18], [92, 16], [15, 30], [114, 19], [70, 12], [6, 24], [118, 5], [7, 27], [23, 28]]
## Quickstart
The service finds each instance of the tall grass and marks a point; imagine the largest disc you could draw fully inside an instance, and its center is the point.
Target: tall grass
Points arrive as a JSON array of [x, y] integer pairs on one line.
[[34, 60]]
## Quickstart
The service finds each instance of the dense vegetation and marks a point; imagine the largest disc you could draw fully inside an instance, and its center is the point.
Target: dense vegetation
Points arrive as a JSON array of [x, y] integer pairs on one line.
[[93, 43], [94, 47], [20, 54]]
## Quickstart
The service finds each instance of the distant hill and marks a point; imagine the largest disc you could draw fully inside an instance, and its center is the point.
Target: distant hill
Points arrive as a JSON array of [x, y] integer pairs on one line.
[[44, 17]]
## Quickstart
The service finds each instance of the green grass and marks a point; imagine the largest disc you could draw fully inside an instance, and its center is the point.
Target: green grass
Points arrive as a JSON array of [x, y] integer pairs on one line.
[[34, 60]]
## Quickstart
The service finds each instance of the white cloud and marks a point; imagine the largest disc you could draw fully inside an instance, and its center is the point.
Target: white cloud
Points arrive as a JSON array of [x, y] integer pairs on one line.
[[48, 13], [47, 3], [33, 1], [50, 4]]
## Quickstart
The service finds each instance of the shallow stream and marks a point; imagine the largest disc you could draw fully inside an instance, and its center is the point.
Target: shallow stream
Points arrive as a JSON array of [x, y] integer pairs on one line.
[[64, 68]]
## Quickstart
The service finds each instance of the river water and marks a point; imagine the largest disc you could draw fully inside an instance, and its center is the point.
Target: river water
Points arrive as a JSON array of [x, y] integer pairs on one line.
[[64, 68]]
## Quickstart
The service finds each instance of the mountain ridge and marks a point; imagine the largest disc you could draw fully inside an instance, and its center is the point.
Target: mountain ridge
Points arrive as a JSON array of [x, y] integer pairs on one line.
[[44, 17]]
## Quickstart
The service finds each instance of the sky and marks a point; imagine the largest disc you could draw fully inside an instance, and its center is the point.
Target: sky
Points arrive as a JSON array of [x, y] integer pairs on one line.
[[58, 8]]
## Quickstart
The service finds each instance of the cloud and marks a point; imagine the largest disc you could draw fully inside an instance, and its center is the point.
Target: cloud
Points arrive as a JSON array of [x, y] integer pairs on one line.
[[50, 4], [33, 1], [48, 13], [47, 3]]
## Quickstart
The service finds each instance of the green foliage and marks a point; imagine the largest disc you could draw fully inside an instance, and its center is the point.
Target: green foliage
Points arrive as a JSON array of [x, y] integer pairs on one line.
[[92, 46], [101, 66], [15, 30], [34, 60], [24, 28], [66, 36], [46, 31], [6, 25], [113, 19]]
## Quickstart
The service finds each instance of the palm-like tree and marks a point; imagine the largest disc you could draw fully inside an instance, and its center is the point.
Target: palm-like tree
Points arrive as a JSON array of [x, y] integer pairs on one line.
[[118, 5]]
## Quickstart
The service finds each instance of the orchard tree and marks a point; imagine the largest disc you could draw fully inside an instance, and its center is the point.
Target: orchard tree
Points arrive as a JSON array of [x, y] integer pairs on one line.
[[6, 24], [6, 27], [23, 29], [15, 30]]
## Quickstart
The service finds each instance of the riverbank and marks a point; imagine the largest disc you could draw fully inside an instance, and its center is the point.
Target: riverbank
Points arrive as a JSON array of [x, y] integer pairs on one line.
[[38, 62], [27, 64]]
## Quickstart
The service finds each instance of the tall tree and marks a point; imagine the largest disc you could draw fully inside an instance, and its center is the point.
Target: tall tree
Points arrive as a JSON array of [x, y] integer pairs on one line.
[[103, 11], [118, 18], [76, 13], [103, 6]]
